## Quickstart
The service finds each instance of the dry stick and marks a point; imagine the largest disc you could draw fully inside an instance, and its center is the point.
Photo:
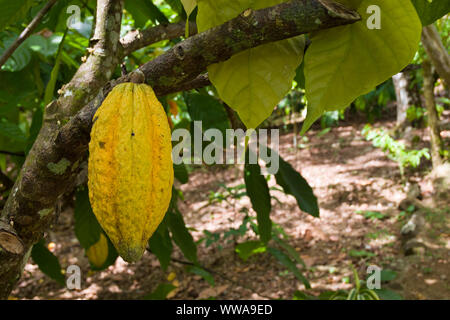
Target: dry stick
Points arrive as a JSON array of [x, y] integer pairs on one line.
[[26, 32]]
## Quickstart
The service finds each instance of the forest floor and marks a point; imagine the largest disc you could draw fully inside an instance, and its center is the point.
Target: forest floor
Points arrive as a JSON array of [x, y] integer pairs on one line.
[[349, 177]]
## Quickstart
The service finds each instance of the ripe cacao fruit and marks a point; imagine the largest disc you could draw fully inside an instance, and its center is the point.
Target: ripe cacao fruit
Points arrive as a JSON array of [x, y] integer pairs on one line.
[[98, 252], [130, 167]]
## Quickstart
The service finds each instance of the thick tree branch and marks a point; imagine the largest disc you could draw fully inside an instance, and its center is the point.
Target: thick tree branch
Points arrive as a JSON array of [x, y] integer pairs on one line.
[[26, 32], [45, 174], [53, 163], [137, 39]]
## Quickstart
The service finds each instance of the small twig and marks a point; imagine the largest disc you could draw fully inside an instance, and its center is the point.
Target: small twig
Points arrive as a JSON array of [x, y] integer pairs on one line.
[[26, 32]]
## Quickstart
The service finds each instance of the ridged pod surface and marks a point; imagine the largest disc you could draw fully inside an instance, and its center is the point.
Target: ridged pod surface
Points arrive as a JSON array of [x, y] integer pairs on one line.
[[98, 252], [130, 167]]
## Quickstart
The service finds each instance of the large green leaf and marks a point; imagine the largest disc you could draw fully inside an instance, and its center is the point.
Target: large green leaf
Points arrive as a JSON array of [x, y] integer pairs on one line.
[[345, 62], [208, 110], [13, 11], [87, 228], [431, 10], [181, 235], [294, 184], [181, 173], [143, 11], [258, 192], [161, 244], [48, 263], [253, 81]]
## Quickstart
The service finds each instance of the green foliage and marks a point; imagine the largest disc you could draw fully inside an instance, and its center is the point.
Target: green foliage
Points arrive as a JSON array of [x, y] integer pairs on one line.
[[144, 11], [13, 11], [395, 150], [254, 81], [294, 184], [430, 11], [181, 235], [160, 292], [345, 62], [209, 110], [161, 244], [48, 263], [289, 264], [87, 228], [249, 248], [203, 273], [258, 192]]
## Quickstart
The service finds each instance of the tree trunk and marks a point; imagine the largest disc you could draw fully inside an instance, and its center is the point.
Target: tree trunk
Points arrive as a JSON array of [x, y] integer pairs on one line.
[[439, 56], [433, 121], [404, 100]]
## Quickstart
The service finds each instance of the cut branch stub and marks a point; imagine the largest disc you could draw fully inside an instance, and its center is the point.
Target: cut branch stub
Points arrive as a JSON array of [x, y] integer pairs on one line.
[[9, 241]]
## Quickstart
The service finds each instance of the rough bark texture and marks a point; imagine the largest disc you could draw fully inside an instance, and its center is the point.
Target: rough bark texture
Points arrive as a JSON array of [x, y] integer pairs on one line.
[[433, 120], [50, 169], [404, 100], [432, 43], [53, 163]]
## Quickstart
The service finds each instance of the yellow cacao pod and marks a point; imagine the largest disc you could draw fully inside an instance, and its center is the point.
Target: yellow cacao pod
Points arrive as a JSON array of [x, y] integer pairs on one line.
[[98, 252], [130, 167]]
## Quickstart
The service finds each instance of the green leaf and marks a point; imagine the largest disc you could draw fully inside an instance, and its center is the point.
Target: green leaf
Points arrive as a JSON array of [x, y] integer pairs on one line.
[[430, 11], [20, 57], [87, 228], [143, 11], [208, 110], [13, 11], [161, 245], [387, 275], [289, 264], [252, 82], [203, 273], [247, 249], [386, 294], [189, 6], [361, 254], [181, 235], [48, 263], [345, 62], [258, 192], [36, 124], [290, 250], [293, 183], [181, 173], [160, 292], [12, 131]]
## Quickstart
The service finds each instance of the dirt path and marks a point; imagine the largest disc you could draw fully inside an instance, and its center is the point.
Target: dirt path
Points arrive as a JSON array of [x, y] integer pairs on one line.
[[348, 176]]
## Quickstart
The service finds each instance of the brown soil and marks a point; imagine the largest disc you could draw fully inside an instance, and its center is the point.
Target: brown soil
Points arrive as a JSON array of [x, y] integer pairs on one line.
[[347, 174]]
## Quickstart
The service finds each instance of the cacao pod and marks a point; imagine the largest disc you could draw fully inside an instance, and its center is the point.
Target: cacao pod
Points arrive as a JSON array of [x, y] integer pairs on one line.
[[98, 252], [130, 167]]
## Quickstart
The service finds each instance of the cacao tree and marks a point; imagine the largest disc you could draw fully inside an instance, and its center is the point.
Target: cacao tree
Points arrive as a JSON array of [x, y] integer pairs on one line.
[[60, 59]]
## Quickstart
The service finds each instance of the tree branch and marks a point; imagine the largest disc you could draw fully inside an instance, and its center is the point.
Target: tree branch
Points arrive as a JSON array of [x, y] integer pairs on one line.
[[137, 39], [26, 32], [53, 163], [30, 207]]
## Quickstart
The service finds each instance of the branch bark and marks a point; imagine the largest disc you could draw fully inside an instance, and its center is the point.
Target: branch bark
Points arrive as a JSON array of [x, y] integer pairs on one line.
[[26, 32], [53, 163], [137, 39], [30, 207], [432, 43]]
